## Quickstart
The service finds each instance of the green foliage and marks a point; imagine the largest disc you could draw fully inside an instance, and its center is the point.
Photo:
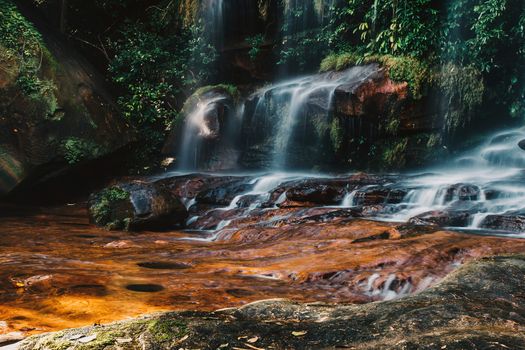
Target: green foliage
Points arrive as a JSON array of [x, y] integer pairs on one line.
[[394, 155], [255, 43], [102, 208], [155, 68], [463, 89], [336, 134], [22, 46], [76, 150], [16, 33], [401, 68], [145, 67]]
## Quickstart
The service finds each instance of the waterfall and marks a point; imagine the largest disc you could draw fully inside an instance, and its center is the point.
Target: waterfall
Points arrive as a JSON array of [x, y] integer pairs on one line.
[[199, 126], [491, 177], [288, 105], [213, 14]]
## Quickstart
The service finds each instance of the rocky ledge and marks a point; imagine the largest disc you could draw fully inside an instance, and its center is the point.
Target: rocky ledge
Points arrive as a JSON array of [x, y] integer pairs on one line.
[[479, 306]]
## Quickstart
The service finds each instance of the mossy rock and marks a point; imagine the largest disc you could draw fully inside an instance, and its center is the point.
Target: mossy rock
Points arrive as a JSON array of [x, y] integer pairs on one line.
[[137, 206], [55, 111]]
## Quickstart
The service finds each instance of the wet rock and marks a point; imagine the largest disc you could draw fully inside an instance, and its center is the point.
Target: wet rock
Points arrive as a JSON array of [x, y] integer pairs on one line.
[[442, 218], [521, 144], [485, 310], [319, 193], [379, 195], [223, 194], [248, 200], [513, 223], [137, 206], [462, 192], [44, 135]]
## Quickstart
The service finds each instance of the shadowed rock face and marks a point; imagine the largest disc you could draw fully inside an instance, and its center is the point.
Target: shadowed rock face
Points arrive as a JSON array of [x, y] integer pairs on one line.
[[75, 122], [480, 306]]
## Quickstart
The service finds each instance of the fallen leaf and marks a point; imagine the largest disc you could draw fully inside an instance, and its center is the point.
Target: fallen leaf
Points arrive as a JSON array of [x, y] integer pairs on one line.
[[76, 336], [183, 339], [253, 347], [253, 340], [88, 339], [299, 333], [124, 340], [222, 346]]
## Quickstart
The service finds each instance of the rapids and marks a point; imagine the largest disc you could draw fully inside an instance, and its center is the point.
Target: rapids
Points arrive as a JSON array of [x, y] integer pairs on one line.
[[484, 186]]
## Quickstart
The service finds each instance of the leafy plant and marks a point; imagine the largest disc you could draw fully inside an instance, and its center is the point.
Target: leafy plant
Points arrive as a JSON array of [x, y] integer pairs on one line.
[[76, 150], [255, 43]]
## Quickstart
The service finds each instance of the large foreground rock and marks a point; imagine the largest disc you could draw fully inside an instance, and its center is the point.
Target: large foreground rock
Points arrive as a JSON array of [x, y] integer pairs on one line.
[[480, 306]]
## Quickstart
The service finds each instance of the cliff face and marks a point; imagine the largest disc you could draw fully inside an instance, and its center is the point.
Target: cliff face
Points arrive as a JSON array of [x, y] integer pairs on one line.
[[55, 111]]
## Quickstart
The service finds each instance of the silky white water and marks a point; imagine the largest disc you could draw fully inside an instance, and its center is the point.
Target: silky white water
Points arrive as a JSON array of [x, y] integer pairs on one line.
[[196, 130], [495, 171], [295, 96]]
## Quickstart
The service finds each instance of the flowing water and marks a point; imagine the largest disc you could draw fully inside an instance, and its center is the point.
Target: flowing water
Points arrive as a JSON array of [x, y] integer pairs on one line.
[[279, 123], [213, 15], [293, 99], [489, 180], [197, 128]]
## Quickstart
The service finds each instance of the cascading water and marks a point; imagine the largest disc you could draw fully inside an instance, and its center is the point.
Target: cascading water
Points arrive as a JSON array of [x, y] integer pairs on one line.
[[286, 107], [198, 127], [213, 14], [485, 182]]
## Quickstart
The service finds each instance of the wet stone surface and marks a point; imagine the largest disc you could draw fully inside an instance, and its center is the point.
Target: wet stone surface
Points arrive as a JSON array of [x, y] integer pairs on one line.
[[246, 239]]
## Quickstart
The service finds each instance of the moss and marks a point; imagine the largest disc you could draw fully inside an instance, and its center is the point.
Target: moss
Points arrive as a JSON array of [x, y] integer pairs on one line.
[[227, 88], [76, 150], [394, 156], [401, 68], [463, 89], [166, 329], [23, 47], [329, 63], [103, 207], [336, 134]]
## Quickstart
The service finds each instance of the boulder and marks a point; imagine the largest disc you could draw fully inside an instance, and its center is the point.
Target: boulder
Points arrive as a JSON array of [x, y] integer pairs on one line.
[[56, 117], [137, 206], [319, 192]]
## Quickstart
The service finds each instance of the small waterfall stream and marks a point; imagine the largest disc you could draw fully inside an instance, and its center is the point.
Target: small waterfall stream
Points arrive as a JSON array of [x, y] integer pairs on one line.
[[289, 104], [488, 180], [198, 127], [213, 15]]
